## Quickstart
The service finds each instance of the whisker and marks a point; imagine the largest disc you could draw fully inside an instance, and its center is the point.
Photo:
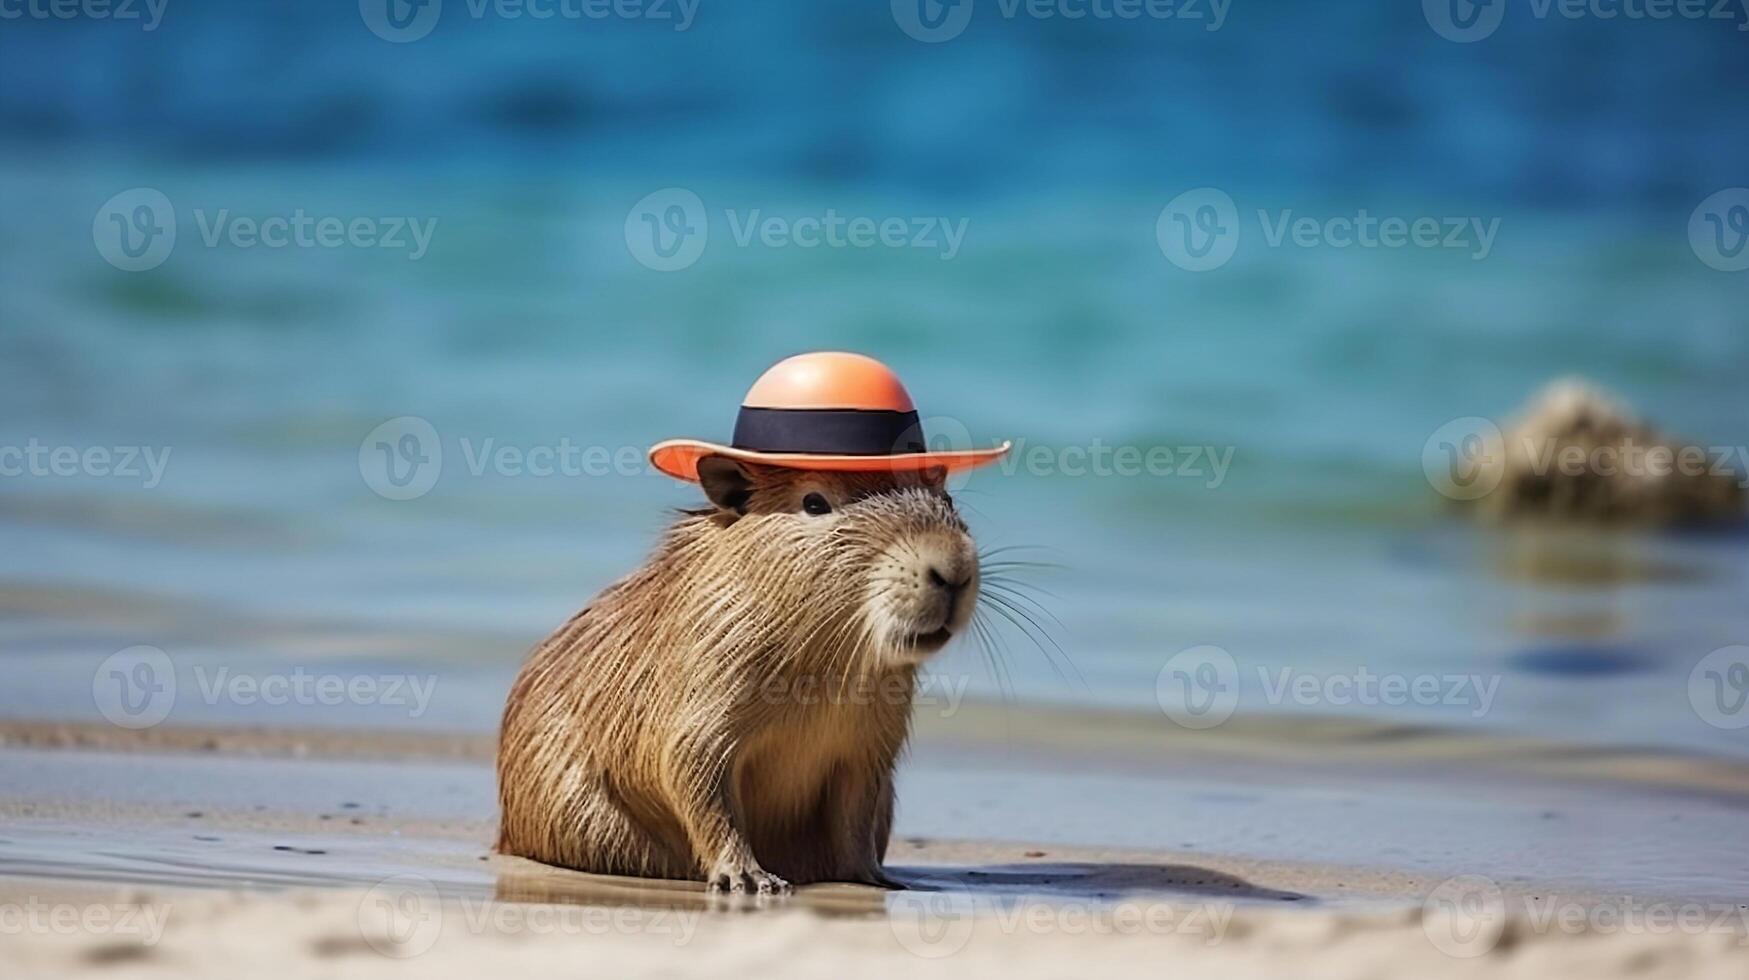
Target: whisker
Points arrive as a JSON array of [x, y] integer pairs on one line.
[[1020, 563], [998, 657], [1011, 590], [991, 647], [1037, 634], [1005, 549]]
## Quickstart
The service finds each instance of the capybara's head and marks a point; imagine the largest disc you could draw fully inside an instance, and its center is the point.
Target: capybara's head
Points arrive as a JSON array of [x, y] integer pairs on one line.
[[876, 562]]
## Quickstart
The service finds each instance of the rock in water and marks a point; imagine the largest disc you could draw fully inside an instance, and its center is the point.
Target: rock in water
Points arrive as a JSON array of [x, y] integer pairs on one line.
[[1575, 454]]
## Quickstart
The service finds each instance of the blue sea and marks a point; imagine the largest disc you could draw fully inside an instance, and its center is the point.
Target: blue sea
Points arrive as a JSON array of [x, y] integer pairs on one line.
[[535, 317]]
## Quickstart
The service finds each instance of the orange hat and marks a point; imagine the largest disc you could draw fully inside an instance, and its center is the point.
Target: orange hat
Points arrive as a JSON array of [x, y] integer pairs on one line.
[[827, 410]]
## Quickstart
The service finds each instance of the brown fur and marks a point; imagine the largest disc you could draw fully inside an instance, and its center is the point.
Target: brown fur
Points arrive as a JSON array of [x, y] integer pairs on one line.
[[1573, 416], [733, 710]]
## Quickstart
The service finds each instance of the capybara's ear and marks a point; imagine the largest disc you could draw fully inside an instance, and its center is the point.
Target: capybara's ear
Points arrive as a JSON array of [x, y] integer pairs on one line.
[[726, 483]]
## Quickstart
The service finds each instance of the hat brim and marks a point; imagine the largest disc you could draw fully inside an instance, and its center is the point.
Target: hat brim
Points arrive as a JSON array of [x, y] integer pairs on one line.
[[679, 459]]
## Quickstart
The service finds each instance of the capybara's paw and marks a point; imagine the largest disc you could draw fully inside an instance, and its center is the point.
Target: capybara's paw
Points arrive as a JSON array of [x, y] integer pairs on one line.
[[735, 879]]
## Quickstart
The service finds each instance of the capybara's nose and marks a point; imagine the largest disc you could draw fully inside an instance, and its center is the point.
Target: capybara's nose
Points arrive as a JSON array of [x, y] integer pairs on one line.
[[952, 586]]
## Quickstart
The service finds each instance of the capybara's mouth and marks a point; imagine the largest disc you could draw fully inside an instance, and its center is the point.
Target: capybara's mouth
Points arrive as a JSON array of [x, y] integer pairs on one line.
[[931, 641]]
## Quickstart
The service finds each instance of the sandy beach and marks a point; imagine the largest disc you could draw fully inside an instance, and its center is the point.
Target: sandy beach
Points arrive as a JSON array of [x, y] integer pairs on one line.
[[209, 852]]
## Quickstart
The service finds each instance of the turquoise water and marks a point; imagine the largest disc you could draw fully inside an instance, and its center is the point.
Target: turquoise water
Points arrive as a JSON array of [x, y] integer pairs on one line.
[[1321, 549], [1319, 372]]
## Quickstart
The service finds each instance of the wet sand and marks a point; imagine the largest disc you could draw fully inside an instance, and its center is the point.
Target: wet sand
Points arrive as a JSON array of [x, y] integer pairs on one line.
[[1338, 795], [333, 852]]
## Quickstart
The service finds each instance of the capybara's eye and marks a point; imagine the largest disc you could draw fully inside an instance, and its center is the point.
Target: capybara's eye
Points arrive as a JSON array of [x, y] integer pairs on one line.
[[816, 505]]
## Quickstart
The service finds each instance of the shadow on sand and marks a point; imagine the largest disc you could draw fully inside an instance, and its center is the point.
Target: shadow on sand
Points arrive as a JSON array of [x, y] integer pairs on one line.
[[1105, 882]]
